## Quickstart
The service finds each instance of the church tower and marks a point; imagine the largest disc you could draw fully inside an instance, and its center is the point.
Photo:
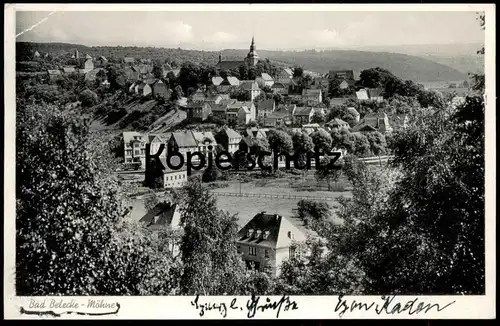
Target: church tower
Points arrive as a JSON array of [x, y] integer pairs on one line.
[[252, 56], [220, 57]]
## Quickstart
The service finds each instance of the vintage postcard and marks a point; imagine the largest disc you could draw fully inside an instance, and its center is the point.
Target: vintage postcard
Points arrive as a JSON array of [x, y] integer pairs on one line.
[[249, 161]]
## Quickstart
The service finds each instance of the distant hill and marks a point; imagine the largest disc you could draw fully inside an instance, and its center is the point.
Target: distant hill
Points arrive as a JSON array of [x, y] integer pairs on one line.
[[401, 65]]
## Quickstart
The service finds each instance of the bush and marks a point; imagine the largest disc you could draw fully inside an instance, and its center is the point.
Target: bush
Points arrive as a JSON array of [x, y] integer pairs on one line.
[[309, 209], [211, 174], [88, 98]]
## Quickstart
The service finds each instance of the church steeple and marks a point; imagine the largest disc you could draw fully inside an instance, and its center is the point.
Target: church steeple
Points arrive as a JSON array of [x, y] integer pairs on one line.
[[252, 56], [220, 57]]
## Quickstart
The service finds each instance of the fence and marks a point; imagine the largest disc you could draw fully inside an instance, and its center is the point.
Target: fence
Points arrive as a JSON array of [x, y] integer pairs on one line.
[[276, 196]]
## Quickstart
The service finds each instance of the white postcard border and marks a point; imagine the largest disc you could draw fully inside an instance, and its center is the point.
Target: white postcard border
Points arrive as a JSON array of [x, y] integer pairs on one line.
[[309, 307]]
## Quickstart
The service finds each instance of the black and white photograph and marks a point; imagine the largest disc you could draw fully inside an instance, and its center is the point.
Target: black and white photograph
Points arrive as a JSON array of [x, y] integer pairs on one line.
[[250, 153]]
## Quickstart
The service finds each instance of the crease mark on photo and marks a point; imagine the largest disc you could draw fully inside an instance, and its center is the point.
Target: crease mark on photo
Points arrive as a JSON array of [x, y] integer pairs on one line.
[[35, 25]]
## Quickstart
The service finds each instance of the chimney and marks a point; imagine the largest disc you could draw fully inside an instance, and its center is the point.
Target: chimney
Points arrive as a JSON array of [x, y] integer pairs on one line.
[[250, 233], [257, 234]]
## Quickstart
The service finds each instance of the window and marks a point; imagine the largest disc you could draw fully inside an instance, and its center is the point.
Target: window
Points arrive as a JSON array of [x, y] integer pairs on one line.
[[136, 145], [266, 253], [137, 152], [129, 152], [292, 252], [252, 251]]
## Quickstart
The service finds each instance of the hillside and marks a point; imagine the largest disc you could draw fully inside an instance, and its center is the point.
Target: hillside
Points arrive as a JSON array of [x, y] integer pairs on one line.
[[401, 65]]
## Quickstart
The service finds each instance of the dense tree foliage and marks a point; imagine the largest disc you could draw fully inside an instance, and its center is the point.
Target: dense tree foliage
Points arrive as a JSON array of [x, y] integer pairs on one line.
[[72, 237]]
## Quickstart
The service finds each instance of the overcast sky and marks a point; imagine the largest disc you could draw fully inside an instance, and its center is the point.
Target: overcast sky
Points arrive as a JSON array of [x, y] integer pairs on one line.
[[234, 30]]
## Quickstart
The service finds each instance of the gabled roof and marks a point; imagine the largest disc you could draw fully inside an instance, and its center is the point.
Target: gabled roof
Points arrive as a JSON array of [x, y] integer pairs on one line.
[[184, 138], [231, 133], [353, 110], [303, 111], [266, 77], [375, 92], [267, 105], [202, 137], [249, 85], [289, 71], [128, 136], [161, 215], [344, 74], [336, 122], [54, 72], [279, 85], [233, 81], [129, 60], [217, 80], [362, 94], [103, 58], [218, 107], [280, 231]]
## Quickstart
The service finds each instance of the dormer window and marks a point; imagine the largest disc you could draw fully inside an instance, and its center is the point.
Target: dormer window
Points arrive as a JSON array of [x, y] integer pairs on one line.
[[250, 233], [257, 234], [265, 235]]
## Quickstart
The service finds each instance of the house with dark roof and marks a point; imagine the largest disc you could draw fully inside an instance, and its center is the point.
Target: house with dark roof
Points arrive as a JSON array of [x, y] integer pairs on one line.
[[250, 60], [160, 89], [280, 88], [303, 115], [347, 75], [198, 96], [282, 116], [54, 73], [337, 124], [144, 89], [268, 240], [312, 96], [219, 110], [182, 142], [251, 87], [234, 111], [257, 132], [198, 111], [374, 122], [229, 139], [161, 217], [265, 108], [206, 142], [376, 94], [85, 65], [213, 99]]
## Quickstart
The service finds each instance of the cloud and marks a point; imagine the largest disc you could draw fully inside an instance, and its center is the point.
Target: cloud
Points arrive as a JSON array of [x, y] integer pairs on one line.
[[325, 37], [220, 37], [177, 32]]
